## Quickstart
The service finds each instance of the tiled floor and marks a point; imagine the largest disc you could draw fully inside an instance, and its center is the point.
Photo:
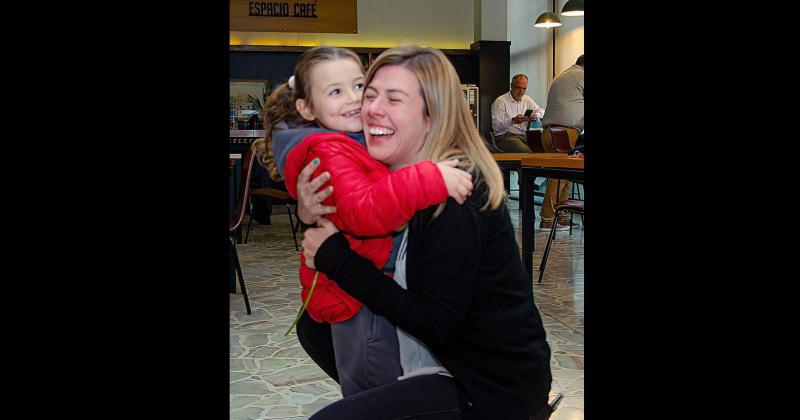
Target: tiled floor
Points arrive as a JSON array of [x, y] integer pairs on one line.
[[271, 377]]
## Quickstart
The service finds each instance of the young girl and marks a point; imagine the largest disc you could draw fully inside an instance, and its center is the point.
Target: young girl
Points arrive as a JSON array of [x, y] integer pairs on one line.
[[371, 202]]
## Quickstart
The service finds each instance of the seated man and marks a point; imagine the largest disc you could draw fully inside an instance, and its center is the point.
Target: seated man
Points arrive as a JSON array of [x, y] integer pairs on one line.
[[564, 109], [508, 116]]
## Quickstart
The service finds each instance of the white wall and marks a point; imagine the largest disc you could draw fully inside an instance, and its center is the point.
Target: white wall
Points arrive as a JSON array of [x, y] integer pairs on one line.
[[569, 40], [493, 22], [532, 48], [388, 23]]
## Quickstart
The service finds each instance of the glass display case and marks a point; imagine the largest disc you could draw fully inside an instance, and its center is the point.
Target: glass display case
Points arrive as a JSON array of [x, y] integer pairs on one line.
[[247, 99], [471, 94]]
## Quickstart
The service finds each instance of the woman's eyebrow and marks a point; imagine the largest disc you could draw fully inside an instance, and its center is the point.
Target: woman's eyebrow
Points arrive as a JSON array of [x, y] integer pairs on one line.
[[388, 91], [397, 91]]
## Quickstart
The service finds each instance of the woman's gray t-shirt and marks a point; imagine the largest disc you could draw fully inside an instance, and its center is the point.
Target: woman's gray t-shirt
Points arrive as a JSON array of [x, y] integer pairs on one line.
[[415, 358]]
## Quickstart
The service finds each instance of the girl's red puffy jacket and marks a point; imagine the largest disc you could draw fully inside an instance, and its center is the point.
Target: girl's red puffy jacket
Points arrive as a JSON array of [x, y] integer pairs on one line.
[[371, 203]]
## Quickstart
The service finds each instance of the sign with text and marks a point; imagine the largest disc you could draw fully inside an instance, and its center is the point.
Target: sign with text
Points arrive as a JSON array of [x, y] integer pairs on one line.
[[323, 16]]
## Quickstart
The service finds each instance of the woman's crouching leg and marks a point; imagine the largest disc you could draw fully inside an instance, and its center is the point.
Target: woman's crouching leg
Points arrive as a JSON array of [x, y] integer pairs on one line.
[[315, 337], [367, 352], [429, 397]]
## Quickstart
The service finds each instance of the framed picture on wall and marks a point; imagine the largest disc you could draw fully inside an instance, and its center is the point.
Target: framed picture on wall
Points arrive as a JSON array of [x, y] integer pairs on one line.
[[247, 100]]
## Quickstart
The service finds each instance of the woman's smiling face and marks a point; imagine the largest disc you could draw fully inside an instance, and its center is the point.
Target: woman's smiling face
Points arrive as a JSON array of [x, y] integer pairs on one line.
[[393, 113]]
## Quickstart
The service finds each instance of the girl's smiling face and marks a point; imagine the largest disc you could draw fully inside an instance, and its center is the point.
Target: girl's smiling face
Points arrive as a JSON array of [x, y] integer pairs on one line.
[[336, 90]]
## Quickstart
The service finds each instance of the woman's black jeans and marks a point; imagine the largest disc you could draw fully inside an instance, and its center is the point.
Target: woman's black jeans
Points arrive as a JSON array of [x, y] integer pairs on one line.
[[432, 397]]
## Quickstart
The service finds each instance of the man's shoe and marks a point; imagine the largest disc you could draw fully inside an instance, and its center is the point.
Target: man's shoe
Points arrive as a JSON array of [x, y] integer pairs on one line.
[[548, 224]]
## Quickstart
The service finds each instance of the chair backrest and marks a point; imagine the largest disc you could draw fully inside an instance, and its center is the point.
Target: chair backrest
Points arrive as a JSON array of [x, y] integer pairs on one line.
[[277, 191], [560, 139], [244, 190], [274, 194], [490, 141]]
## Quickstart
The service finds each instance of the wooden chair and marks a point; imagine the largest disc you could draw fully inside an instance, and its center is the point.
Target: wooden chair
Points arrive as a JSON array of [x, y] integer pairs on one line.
[[561, 144], [236, 220], [491, 142], [276, 196], [560, 138], [535, 141]]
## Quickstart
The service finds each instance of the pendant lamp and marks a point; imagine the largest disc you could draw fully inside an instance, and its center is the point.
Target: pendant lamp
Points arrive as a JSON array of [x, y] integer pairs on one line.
[[573, 8], [547, 20]]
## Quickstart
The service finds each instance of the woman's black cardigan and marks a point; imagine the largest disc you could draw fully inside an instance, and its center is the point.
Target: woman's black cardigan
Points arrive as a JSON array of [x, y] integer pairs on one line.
[[469, 299]]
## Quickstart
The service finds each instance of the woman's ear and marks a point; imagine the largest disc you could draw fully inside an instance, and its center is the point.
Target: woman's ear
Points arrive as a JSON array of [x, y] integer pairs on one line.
[[428, 123], [304, 109]]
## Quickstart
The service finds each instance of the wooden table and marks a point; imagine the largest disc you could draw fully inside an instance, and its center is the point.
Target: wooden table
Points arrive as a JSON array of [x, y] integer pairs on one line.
[[546, 165], [530, 166], [511, 161]]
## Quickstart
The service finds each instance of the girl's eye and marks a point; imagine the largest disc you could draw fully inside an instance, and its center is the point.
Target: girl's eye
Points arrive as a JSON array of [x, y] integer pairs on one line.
[[334, 92], [359, 86]]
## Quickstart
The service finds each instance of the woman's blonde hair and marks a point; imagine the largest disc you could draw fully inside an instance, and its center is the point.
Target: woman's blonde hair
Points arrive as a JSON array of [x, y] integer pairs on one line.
[[452, 132]]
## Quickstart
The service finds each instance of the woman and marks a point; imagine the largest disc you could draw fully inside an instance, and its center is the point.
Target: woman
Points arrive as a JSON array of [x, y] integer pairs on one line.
[[472, 344]]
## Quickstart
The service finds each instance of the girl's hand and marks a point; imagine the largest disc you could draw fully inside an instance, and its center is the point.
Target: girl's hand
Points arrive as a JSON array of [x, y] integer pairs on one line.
[[309, 207], [458, 182], [314, 237]]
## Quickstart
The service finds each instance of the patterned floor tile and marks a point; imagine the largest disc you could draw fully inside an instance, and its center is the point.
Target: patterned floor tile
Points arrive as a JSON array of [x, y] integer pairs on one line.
[[271, 377]]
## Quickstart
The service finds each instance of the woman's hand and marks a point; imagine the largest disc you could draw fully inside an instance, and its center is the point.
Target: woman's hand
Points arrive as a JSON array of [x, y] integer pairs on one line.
[[458, 182], [314, 237], [309, 207]]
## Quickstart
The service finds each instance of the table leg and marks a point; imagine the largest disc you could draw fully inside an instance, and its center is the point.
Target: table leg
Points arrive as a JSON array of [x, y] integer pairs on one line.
[[527, 213]]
